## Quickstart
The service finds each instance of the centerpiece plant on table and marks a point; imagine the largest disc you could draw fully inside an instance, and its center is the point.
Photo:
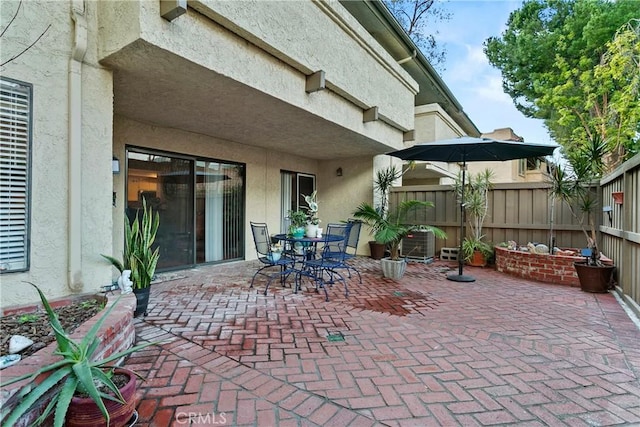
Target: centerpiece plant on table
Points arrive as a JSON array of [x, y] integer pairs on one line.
[[298, 220], [312, 221]]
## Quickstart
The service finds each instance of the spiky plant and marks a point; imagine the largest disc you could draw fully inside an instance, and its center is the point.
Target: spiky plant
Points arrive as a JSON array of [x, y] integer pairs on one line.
[[77, 370], [138, 256], [571, 183]]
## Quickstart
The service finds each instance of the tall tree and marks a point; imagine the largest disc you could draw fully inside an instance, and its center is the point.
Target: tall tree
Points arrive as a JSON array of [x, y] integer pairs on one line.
[[415, 16], [553, 62]]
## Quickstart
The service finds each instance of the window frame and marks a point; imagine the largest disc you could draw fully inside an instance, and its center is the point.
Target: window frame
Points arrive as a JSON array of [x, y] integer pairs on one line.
[[24, 89]]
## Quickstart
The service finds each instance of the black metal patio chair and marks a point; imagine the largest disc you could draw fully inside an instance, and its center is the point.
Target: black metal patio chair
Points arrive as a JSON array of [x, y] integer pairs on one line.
[[269, 259], [352, 247], [323, 269]]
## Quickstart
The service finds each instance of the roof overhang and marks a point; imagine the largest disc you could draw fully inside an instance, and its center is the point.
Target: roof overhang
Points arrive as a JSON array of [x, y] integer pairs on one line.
[[384, 27]]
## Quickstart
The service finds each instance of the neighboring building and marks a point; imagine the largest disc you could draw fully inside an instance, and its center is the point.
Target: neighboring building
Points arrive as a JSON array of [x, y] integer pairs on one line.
[[222, 115], [520, 170], [439, 173]]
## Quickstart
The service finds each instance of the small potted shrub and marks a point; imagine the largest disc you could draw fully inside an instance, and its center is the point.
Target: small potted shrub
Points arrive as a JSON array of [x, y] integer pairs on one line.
[[298, 220], [84, 381], [382, 186]]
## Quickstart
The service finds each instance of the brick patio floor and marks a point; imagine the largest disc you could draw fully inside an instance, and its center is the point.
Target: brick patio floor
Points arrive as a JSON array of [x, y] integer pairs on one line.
[[423, 351]]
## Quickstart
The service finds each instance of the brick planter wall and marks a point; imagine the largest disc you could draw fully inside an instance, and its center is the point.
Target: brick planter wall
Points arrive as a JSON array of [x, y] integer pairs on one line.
[[557, 269], [117, 332]]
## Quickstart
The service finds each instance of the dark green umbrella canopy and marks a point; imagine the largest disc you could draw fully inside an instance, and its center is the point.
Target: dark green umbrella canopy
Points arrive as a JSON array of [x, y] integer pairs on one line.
[[470, 149]]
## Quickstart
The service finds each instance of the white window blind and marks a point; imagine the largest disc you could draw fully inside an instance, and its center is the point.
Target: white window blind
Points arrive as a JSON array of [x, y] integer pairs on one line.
[[15, 143]]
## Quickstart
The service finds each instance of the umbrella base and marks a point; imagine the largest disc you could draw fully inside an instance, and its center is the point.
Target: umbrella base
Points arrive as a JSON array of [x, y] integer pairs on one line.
[[461, 278]]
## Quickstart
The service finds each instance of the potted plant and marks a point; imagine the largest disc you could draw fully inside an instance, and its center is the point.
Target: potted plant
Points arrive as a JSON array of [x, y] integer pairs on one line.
[[138, 255], [475, 251], [382, 186], [391, 228], [298, 220], [312, 222], [476, 204], [571, 183], [83, 380]]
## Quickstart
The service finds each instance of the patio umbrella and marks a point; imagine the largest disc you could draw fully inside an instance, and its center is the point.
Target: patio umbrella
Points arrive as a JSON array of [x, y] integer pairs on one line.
[[469, 149]]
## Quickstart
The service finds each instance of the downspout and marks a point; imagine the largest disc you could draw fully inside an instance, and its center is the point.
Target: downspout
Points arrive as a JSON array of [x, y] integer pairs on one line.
[[74, 226]]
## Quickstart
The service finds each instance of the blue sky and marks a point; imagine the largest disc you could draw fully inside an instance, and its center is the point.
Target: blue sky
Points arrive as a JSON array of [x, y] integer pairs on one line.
[[473, 81]]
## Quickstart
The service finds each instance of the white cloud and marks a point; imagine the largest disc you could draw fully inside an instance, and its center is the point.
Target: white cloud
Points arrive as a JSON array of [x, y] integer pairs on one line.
[[467, 66], [491, 89]]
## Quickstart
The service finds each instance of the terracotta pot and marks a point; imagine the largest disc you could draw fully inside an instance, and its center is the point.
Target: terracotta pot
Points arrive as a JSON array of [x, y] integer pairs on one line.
[[377, 249], [594, 278], [477, 260], [618, 197], [83, 411]]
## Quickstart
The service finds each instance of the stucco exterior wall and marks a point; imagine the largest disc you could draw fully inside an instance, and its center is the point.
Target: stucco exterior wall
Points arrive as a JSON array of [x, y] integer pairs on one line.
[[433, 124], [46, 66], [262, 169], [339, 196], [272, 47]]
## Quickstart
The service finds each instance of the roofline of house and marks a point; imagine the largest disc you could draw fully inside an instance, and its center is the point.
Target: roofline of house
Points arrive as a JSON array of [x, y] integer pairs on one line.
[[452, 106]]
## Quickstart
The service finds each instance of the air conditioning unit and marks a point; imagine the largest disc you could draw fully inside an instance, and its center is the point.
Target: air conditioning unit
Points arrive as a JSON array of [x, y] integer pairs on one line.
[[420, 244]]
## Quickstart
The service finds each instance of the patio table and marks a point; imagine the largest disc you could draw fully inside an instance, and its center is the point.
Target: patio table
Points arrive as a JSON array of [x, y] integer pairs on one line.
[[307, 242], [308, 254]]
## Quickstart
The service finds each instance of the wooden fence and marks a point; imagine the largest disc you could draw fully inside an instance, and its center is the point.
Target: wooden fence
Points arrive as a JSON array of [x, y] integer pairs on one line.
[[621, 237], [523, 212]]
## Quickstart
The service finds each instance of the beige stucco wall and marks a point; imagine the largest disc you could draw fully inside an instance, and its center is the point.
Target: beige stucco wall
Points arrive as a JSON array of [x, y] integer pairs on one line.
[[262, 169], [434, 124], [502, 171], [339, 196], [272, 47], [46, 67]]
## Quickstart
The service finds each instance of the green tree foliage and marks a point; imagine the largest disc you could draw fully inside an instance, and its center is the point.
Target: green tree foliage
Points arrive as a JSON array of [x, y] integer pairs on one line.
[[414, 16], [574, 64]]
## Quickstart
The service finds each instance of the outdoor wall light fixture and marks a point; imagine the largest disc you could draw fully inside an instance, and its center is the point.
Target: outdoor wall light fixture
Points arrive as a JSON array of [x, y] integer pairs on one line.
[[339, 172], [608, 210], [115, 166]]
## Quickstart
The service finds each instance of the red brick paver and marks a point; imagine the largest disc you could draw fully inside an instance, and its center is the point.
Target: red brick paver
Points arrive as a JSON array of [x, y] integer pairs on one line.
[[422, 351]]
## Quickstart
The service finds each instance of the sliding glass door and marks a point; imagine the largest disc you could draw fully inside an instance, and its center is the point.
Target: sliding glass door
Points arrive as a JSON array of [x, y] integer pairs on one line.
[[219, 211], [200, 202]]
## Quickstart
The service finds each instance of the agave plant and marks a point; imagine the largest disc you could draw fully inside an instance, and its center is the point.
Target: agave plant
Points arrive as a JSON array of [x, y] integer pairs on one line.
[[138, 256], [77, 371]]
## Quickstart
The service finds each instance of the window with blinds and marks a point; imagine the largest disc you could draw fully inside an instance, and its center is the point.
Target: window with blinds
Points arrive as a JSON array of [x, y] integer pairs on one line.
[[15, 148]]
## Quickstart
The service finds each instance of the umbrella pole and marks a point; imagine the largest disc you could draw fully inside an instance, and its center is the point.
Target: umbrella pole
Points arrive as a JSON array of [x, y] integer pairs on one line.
[[461, 277]]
